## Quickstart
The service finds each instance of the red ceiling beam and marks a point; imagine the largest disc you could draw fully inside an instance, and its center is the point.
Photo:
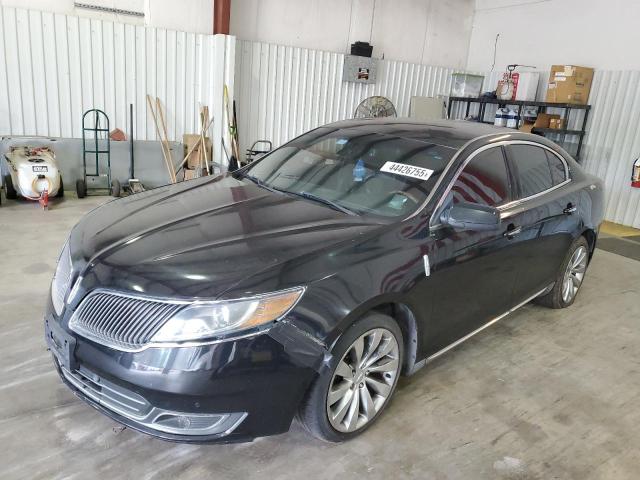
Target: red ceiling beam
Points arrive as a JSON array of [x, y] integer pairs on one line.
[[221, 15]]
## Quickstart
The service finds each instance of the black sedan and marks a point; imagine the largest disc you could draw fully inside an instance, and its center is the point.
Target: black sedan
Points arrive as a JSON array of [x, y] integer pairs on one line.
[[306, 283]]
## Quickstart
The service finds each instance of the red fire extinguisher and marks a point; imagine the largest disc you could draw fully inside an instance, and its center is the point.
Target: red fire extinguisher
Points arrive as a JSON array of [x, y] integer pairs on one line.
[[635, 174]]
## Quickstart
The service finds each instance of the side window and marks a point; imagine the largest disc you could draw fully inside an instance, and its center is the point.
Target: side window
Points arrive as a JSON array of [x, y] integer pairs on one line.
[[532, 166], [484, 180], [558, 173]]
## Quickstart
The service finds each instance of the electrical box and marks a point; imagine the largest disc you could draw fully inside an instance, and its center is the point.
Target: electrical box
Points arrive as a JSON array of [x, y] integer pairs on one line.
[[359, 69]]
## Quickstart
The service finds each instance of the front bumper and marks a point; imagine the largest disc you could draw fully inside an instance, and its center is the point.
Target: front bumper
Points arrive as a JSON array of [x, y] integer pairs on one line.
[[226, 392]]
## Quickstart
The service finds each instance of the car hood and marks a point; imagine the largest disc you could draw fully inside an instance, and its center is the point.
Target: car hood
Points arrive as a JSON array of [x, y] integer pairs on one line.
[[198, 239]]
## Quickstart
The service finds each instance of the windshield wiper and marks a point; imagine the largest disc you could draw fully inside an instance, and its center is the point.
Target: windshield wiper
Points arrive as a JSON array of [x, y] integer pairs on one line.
[[259, 182], [332, 204], [307, 195]]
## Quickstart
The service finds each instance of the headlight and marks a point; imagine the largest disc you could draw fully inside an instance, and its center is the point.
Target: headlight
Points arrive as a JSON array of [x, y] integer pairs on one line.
[[207, 319], [61, 279]]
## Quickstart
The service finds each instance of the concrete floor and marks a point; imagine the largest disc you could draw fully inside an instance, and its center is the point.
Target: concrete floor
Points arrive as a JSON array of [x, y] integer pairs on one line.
[[544, 394]]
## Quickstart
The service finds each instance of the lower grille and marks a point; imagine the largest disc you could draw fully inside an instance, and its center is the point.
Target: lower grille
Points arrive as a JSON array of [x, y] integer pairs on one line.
[[134, 407], [126, 322], [107, 394]]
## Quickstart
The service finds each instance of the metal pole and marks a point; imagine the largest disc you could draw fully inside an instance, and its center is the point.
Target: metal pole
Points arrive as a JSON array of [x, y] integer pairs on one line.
[[131, 167], [96, 125], [582, 133], [221, 15]]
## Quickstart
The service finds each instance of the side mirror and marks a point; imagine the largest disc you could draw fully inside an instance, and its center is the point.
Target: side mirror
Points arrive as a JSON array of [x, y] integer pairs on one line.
[[471, 216]]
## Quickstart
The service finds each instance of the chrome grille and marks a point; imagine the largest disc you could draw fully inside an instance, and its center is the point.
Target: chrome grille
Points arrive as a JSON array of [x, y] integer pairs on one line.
[[124, 322]]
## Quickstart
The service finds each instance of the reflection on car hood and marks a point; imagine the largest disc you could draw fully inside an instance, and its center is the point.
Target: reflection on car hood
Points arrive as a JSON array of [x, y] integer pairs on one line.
[[199, 238]]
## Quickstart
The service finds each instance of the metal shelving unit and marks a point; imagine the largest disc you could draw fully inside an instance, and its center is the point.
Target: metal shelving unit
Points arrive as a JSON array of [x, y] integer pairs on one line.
[[542, 108]]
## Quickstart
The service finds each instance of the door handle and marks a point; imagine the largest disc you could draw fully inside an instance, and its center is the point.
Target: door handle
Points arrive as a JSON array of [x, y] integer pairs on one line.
[[570, 209], [512, 231]]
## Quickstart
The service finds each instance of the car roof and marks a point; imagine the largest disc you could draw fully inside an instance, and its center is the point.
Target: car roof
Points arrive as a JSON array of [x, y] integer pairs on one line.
[[448, 133]]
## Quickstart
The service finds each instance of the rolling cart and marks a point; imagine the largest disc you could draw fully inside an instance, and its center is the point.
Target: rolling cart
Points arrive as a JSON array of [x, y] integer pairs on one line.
[[254, 153], [96, 142]]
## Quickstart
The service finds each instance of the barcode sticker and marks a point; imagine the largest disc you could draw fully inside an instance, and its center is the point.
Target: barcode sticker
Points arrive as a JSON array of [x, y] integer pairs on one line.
[[407, 170]]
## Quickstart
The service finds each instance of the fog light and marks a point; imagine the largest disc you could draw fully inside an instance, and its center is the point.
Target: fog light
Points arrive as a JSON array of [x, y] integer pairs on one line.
[[180, 422], [196, 424]]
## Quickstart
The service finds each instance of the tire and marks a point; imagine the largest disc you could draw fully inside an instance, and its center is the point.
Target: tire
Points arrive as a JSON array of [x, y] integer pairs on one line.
[[574, 266], [115, 188], [60, 193], [9, 190], [316, 407], [81, 188]]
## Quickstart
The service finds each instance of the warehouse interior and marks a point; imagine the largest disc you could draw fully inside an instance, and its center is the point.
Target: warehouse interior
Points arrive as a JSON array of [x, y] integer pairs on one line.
[[117, 98]]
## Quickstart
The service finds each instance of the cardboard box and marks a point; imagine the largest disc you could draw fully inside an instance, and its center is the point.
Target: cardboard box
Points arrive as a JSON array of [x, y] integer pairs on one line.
[[526, 127], [569, 84], [195, 157], [544, 119], [191, 173], [557, 123]]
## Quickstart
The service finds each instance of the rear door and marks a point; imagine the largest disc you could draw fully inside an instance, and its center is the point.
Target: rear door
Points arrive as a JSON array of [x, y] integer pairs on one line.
[[541, 217], [472, 271]]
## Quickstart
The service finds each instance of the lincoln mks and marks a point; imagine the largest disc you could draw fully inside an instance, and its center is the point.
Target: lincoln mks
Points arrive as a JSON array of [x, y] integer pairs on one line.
[[306, 283]]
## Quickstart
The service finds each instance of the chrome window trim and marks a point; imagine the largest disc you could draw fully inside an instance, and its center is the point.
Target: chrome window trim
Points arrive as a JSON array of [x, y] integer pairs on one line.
[[445, 171], [513, 203]]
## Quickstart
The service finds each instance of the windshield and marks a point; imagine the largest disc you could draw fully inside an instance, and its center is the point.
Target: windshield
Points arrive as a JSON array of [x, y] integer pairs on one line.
[[355, 170]]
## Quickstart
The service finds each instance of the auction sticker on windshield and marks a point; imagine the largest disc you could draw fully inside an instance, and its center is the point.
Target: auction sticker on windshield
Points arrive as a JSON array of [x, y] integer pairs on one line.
[[407, 170]]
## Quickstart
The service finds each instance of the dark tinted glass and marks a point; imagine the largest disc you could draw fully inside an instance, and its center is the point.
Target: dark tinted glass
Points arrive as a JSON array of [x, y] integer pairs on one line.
[[484, 180], [361, 170], [558, 175], [534, 174]]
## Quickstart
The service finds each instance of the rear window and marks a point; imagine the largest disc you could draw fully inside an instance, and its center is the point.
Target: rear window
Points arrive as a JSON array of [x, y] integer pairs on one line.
[[532, 167], [558, 173]]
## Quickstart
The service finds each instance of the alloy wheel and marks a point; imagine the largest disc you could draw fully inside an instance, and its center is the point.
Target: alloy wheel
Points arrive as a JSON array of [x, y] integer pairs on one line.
[[363, 380], [574, 274]]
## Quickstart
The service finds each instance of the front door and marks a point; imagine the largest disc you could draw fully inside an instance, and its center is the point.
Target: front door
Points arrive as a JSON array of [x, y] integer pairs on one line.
[[472, 271]]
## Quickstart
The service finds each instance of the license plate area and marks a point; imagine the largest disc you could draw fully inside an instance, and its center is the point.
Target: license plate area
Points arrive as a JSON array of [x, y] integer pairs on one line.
[[40, 168], [61, 344]]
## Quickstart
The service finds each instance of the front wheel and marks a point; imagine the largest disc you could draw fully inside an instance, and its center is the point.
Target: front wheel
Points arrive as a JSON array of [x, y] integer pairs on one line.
[[351, 393], [569, 278]]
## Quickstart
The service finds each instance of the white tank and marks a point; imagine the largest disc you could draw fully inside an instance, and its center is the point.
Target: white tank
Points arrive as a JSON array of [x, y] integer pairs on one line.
[[32, 170]]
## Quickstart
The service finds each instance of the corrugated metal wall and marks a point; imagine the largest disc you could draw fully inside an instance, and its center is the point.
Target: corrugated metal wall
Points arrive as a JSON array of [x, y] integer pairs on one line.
[[613, 141], [284, 91], [57, 66]]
